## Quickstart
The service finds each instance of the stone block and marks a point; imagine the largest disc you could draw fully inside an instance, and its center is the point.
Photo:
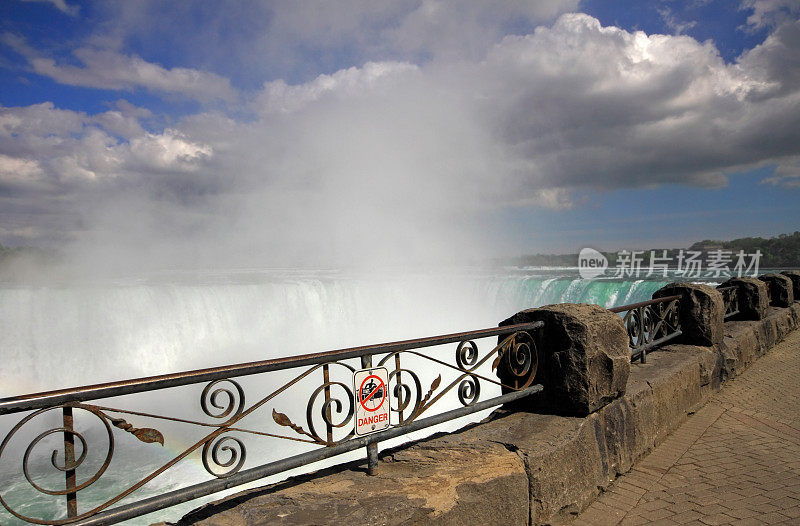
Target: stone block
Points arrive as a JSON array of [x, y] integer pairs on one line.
[[753, 301], [794, 275], [702, 312], [584, 359], [781, 289]]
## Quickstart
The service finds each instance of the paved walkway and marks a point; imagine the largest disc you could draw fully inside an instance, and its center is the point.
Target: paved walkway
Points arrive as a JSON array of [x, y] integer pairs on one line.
[[736, 461]]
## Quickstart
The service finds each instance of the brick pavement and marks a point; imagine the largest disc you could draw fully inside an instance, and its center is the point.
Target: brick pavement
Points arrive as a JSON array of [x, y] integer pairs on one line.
[[736, 461]]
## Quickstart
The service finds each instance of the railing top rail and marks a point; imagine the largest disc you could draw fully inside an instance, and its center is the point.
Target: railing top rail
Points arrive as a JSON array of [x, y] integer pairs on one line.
[[92, 392], [625, 308]]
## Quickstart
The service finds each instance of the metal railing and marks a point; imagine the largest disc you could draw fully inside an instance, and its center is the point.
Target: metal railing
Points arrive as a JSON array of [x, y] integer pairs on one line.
[[329, 416], [730, 296], [650, 324]]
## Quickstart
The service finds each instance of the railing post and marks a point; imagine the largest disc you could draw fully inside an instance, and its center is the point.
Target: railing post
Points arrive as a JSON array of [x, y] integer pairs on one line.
[[69, 460], [326, 377], [398, 382], [642, 329], [372, 447]]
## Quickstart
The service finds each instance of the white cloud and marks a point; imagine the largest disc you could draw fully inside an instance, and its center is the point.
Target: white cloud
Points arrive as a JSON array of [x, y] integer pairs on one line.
[[278, 96], [678, 26], [775, 63], [168, 151], [767, 13], [18, 171], [787, 174], [299, 40], [66, 147], [107, 69], [118, 123], [42, 120], [456, 30], [61, 5]]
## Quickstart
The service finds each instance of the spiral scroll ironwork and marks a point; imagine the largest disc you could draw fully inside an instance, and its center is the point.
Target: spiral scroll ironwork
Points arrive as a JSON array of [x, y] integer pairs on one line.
[[330, 406], [85, 446], [466, 354], [209, 399], [469, 390], [515, 358], [403, 392], [236, 455], [650, 324], [53, 459], [520, 360]]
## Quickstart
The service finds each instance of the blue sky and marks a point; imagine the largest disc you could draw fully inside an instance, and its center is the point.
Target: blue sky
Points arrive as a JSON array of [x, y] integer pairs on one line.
[[374, 132]]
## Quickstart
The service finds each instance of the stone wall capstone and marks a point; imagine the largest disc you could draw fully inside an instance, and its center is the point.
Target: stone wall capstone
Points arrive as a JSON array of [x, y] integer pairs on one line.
[[584, 359], [794, 275], [752, 293], [702, 312], [781, 288]]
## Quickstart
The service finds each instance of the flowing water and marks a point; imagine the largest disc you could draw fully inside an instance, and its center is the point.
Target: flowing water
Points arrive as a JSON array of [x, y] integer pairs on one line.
[[64, 335]]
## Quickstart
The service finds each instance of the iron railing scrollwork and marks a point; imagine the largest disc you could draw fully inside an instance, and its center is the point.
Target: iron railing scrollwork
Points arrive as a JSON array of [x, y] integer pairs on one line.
[[730, 295], [329, 415], [650, 324]]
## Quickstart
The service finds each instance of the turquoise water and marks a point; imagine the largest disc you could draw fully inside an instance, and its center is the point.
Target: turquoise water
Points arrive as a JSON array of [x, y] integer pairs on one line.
[[62, 335]]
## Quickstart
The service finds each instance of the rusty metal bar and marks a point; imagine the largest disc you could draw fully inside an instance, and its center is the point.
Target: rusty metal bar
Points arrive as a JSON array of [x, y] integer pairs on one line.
[[150, 383], [399, 382], [69, 460], [326, 378], [625, 308], [641, 352], [202, 489], [730, 296], [372, 447]]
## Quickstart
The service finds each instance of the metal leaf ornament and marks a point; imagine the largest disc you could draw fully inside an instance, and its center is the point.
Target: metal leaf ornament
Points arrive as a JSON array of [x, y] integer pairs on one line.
[[145, 434], [283, 420]]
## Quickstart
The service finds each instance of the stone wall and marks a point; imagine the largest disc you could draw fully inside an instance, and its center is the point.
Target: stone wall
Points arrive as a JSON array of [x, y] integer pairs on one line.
[[519, 466]]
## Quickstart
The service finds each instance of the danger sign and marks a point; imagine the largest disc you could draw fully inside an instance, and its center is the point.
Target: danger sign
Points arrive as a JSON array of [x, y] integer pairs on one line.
[[372, 404]]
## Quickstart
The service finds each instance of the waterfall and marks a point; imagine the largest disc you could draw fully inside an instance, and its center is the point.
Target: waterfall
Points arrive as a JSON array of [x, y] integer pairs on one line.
[[61, 336]]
